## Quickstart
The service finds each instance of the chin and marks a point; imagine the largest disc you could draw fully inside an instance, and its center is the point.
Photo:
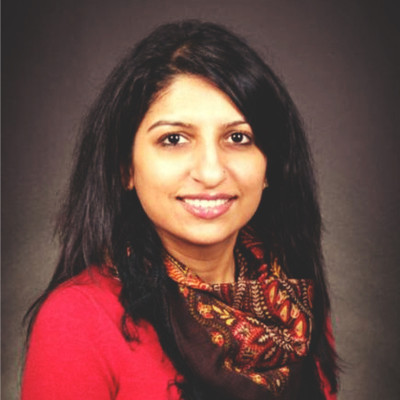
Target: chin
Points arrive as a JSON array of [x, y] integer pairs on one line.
[[209, 238]]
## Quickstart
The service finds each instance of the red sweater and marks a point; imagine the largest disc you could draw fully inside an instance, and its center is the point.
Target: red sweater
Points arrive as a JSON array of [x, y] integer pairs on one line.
[[77, 350]]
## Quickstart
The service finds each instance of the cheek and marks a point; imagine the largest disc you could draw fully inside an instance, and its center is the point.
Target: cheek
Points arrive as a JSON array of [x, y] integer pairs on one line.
[[251, 172], [152, 173]]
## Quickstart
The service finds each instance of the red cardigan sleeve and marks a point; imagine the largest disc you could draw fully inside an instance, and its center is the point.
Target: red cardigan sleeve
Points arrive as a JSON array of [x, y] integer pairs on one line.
[[63, 361], [325, 383]]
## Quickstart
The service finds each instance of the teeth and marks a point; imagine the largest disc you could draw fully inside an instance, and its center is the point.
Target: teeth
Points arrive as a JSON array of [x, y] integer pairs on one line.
[[205, 203]]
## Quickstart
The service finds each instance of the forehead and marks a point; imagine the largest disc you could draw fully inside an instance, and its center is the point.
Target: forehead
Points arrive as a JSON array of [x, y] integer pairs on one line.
[[193, 97]]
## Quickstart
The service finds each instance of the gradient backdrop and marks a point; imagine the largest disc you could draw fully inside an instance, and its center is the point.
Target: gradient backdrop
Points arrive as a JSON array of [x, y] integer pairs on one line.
[[340, 61]]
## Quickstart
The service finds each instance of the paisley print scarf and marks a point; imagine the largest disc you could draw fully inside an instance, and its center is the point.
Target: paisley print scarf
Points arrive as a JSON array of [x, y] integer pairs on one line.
[[245, 339]]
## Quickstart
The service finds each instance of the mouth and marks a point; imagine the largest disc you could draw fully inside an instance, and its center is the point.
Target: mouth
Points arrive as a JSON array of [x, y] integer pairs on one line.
[[207, 206]]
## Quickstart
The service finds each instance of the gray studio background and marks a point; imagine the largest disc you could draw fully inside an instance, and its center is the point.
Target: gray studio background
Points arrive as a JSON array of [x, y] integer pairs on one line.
[[340, 61]]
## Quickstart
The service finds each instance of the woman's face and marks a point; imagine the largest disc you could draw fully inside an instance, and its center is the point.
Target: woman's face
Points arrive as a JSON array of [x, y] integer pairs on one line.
[[195, 167]]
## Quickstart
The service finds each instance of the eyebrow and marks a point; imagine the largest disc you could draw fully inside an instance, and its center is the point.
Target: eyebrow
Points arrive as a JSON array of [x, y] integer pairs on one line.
[[169, 123], [186, 125]]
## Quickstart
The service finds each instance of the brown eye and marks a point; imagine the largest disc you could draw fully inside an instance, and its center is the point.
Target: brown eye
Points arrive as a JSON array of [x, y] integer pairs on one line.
[[173, 139], [239, 138]]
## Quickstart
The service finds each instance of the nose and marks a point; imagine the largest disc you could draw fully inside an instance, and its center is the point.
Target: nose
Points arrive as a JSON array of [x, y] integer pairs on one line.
[[208, 165]]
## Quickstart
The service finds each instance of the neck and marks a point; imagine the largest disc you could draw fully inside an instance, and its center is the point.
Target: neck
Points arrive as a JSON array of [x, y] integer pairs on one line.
[[212, 263]]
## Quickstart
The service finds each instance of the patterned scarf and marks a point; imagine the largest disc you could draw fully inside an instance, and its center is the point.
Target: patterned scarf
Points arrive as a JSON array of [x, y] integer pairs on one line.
[[245, 339]]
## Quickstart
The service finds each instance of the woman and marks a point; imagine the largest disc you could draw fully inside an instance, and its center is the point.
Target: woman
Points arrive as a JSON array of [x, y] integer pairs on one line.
[[191, 262]]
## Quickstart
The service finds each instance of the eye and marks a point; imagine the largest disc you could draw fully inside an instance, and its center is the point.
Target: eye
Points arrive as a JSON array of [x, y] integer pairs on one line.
[[240, 138], [173, 139]]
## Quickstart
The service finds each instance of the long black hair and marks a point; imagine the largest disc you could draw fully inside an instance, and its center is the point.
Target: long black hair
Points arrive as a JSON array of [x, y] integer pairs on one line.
[[100, 219]]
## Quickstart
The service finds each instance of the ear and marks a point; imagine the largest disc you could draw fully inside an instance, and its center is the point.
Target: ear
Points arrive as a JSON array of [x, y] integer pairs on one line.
[[127, 179]]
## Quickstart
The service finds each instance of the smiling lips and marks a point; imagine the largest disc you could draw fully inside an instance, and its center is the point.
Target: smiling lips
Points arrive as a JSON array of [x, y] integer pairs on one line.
[[207, 206]]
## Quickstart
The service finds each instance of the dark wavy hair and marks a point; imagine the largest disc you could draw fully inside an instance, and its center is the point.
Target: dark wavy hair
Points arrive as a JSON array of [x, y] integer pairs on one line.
[[100, 218]]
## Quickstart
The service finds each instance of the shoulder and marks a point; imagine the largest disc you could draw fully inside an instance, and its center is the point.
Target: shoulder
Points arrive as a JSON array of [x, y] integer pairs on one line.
[[77, 346], [73, 313], [68, 349], [82, 299]]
